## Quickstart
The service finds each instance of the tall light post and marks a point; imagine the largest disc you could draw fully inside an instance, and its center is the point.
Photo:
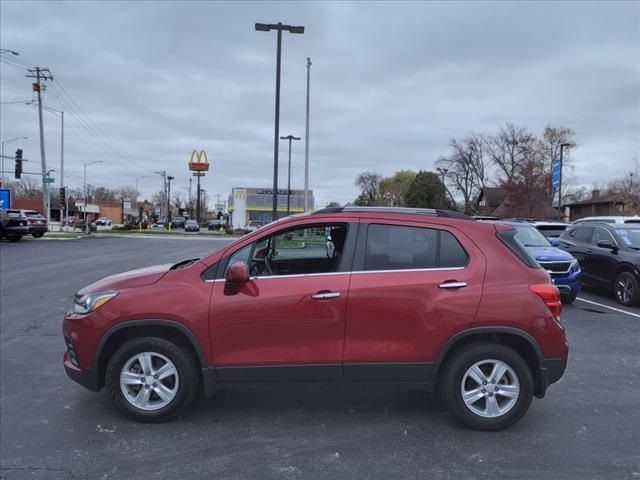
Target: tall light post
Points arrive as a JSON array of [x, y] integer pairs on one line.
[[290, 138], [562, 147], [61, 113], [84, 189], [443, 172], [3, 144], [306, 140], [278, 27], [169, 178]]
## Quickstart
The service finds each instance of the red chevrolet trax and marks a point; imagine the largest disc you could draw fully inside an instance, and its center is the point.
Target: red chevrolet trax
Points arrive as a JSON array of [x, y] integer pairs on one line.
[[424, 297]]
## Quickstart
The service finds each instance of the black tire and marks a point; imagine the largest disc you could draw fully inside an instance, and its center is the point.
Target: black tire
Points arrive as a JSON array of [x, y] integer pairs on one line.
[[14, 238], [626, 289], [186, 367], [38, 235], [569, 298], [454, 373]]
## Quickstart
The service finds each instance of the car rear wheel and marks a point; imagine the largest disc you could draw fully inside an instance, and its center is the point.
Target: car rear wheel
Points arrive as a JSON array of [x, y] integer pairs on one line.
[[151, 379], [487, 387], [38, 235], [626, 289]]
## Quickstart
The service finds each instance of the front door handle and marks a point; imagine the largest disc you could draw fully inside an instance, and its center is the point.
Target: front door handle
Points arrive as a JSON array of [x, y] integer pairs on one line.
[[453, 285], [325, 295]]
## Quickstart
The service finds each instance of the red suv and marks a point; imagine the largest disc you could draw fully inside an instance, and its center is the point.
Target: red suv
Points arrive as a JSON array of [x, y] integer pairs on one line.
[[417, 296]]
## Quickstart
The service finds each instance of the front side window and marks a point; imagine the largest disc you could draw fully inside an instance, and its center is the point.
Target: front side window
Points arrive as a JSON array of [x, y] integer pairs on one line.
[[391, 247], [298, 251], [600, 234]]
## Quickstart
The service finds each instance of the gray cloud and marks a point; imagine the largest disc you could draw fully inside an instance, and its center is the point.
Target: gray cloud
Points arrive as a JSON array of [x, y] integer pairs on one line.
[[391, 84]]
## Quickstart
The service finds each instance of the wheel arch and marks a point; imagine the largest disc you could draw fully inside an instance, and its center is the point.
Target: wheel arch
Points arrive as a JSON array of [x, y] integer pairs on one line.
[[519, 340], [128, 330]]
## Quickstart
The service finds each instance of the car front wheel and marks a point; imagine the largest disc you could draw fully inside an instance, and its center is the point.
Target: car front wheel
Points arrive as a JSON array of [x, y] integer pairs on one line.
[[151, 379], [487, 387], [627, 290]]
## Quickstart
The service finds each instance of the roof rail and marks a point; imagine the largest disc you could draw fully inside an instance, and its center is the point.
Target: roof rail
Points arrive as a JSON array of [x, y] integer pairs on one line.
[[404, 210]]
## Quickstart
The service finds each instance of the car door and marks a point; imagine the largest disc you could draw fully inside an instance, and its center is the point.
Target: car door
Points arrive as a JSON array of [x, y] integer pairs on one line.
[[413, 286], [577, 241], [283, 326], [602, 261]]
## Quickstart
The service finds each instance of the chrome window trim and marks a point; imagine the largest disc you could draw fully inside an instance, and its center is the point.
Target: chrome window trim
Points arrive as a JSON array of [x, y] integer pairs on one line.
[[359, 272]]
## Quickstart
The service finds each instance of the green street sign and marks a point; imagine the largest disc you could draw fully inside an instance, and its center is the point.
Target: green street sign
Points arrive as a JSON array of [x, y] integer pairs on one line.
[[47, 180]]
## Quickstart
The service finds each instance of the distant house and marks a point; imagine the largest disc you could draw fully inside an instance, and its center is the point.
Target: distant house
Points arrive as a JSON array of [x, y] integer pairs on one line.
[[608, 204], [490, 199], [500, 202]]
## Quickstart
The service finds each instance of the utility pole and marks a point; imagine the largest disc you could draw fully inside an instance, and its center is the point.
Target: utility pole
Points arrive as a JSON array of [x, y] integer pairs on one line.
[[289, 137], [562, 147], [169, 178], [42, 74], [63, 208], [163, 174], [190, 204], [306, 140]]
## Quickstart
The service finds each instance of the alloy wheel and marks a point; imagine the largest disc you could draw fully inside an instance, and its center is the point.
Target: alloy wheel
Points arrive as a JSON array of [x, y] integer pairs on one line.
[[490, 388], [624, 289], [149, 381]]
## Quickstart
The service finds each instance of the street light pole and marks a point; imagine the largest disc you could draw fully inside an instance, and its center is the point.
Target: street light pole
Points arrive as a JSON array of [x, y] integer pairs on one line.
[[3, 144], [289, 137], [84, 189], [562, 147], [169, 178], [279, 27], [306, 140]]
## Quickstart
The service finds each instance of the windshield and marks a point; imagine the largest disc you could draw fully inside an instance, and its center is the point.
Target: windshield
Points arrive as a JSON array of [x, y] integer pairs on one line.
[[531, 237], [630, 237]]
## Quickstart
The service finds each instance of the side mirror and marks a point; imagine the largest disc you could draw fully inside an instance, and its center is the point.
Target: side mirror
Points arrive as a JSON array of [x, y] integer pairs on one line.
[[237, 273], [607, 244], [554, 242]]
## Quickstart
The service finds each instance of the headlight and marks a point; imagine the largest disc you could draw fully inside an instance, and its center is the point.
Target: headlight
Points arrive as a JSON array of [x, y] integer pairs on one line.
[[92, 301], [575, 266]]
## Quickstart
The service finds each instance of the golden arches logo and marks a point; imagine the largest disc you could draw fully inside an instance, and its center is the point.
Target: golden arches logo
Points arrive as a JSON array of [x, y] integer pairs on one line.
[[199, 165], [241, 194]]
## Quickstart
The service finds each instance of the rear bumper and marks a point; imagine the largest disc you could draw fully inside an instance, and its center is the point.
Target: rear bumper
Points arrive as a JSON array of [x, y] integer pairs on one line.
[[38, 229], [551, 370]]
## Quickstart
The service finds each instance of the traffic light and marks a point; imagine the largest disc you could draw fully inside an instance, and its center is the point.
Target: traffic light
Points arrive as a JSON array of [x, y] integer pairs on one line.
[[63, 197], [18, 171]]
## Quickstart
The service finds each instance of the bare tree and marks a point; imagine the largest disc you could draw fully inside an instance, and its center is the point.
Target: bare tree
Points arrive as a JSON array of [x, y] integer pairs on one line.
[[26, 188], [509, 148], [467, 168], [179, 200]]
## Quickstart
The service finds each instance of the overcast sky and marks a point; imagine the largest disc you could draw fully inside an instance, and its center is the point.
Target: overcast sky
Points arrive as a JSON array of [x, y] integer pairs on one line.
[[391, 83]]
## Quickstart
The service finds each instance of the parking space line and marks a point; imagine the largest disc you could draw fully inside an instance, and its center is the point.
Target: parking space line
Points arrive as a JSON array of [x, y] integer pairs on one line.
[[607, 306]]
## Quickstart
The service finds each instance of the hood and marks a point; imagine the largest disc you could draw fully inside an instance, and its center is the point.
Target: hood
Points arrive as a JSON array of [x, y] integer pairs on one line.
[[130, 279], [550, 254]]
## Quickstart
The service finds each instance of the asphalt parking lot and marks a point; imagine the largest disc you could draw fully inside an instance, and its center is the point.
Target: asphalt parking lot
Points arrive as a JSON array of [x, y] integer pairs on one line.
[[588, 426]]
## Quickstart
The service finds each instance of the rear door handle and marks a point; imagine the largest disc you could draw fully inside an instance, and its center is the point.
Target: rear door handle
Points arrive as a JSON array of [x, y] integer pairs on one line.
[[589, 250], [453, 285], [325, 295]]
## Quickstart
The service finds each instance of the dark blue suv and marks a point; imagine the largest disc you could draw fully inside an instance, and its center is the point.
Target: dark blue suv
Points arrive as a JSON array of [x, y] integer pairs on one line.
[[562, 266]]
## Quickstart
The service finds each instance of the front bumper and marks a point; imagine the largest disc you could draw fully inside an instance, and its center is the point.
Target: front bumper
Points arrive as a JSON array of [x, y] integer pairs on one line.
[[14, 230], [568, 283], [86, 378]]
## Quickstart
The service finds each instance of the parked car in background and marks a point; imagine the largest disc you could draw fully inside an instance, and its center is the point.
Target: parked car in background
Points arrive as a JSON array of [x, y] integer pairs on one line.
[[563, 268], [253, 225], [550, 229], [609, 254], [609, 219], [191, 226], [214, 224], [103, 222], [36, 222], [13, 224], [70, 220], [416, 296], [178, 222]]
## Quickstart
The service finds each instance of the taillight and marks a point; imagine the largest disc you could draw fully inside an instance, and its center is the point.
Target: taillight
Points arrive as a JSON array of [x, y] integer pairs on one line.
[[550, 295]]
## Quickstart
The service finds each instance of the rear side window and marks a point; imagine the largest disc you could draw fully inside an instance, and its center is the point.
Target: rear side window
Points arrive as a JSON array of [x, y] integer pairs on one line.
[[508, 237], [583, 234], [391, 247]]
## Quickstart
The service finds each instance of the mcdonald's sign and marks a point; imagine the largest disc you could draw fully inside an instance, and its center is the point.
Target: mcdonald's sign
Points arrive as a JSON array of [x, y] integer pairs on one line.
[[199, 161]]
